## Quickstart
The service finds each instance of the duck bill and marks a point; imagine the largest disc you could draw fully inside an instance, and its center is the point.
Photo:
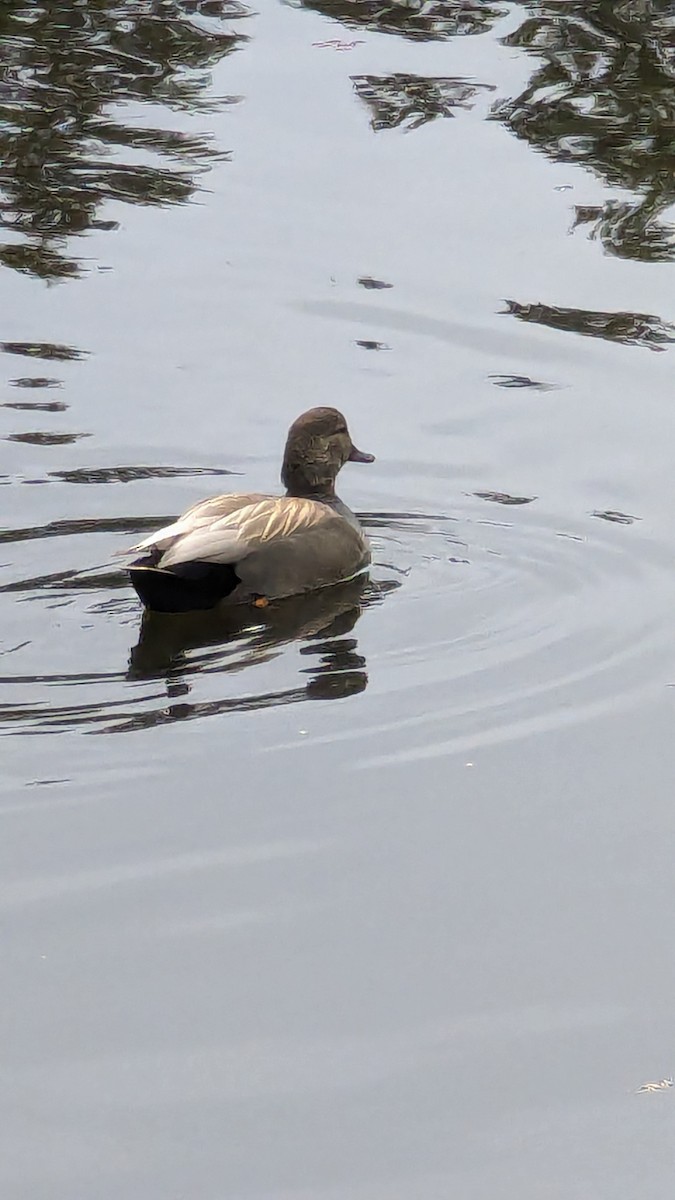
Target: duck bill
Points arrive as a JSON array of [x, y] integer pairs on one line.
[[359, 456]]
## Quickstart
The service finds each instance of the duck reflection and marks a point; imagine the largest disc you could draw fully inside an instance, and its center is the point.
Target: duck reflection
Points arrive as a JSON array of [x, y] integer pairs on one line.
[[603, 96], [179, 648], [64, 66]]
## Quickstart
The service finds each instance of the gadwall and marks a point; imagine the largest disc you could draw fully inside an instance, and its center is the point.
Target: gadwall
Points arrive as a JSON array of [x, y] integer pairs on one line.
[[248, 548]]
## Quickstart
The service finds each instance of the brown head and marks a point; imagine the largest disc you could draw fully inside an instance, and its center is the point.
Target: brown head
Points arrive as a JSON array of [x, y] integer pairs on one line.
[[317, 447]]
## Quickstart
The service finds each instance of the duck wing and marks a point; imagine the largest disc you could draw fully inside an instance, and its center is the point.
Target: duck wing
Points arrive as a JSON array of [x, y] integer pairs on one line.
[[201, 515], [236, 534], [280, 546]]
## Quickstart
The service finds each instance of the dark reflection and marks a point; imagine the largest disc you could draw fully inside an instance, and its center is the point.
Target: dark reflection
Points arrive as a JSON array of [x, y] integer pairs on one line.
[[418, 20], [603, 96], [36, 405], [186, 666], [615, 517], [64, 67], [367, 281], [44, 438], [179, 648], [68, 582], [94, 475], [49, 350], [36, 381], [521, 381], [412, 100], [131, 474], [504, 498], [166, 639], [399, 520], [66, 528], [174, 653], [639, 329]]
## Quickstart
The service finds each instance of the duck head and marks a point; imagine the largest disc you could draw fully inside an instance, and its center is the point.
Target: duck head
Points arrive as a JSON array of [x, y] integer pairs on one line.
[[317, 447]]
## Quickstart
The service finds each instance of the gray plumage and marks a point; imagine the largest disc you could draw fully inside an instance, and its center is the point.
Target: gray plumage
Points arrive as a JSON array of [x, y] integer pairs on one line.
[[249, 547]]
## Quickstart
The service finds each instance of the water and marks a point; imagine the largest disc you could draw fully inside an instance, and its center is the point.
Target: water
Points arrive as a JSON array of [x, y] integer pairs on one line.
[[370, 898]]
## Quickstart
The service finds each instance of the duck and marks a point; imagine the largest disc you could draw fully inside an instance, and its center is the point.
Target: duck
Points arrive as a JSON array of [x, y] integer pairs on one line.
[[247, 548]]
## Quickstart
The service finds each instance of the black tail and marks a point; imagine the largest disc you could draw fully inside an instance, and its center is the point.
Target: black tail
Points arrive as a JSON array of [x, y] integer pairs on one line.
[[185, 588]]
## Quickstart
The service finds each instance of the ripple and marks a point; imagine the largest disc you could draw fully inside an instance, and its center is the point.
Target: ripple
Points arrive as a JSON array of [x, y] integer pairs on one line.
[[51, 351], [35, 381], [495, 629], [371, 284], [548, 621], [521, 381], [123, 525], [99, 475], [36, 405], [176, 655], [45, 438], [179, 667], [132, 474], [504, 498], [618, 518]]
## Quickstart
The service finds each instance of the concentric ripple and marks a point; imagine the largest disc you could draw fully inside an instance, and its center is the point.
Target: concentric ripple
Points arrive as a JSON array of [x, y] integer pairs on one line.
[[500, 619], [151, 670], [516, 620]]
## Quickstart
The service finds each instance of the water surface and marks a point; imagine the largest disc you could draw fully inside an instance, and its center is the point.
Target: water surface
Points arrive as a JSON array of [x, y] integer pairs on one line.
[[369, 896]]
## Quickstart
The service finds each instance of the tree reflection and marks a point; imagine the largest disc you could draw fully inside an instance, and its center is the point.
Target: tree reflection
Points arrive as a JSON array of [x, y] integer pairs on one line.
[[412, 100], [628, 328], [604, 97], [418, 20], [65, 66]]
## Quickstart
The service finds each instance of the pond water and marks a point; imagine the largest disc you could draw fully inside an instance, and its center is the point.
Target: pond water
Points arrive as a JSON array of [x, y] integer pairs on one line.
[[372, 898]]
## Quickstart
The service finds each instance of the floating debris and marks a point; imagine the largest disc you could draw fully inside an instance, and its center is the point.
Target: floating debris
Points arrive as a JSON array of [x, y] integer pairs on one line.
[[658, 1085]]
